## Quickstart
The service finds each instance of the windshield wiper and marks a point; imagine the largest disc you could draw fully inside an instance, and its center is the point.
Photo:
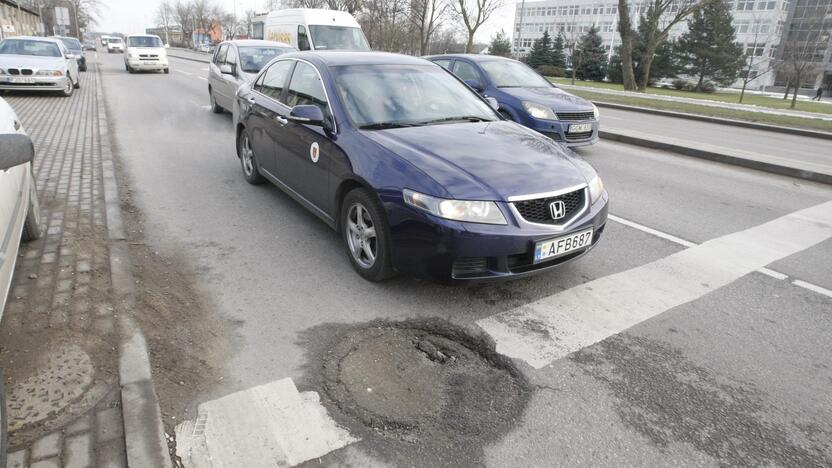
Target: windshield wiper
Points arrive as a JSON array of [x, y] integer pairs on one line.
[[385, 125], [462, 118]]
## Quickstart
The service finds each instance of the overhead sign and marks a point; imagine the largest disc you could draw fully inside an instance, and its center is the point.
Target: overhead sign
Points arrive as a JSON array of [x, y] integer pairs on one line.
[[9, 28], [62, 16]]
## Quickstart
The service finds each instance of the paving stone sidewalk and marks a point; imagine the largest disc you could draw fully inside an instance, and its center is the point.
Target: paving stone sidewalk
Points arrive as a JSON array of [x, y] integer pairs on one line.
[[58, 340]]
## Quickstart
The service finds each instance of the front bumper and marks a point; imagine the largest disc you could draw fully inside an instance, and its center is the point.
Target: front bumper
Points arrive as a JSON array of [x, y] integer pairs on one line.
[[558, 131], [139, 64], [457, 253], [39, 83]]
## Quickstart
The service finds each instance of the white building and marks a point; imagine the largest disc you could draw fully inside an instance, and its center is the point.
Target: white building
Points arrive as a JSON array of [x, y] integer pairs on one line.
[[759, 25]]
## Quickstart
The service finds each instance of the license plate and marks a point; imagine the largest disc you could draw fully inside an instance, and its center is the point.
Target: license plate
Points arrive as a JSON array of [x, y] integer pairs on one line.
[[22, 80], [552, 248], [580, 128]]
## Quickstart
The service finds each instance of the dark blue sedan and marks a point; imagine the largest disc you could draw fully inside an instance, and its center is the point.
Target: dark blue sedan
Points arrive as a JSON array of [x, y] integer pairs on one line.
[[526, 97], [418, 173]]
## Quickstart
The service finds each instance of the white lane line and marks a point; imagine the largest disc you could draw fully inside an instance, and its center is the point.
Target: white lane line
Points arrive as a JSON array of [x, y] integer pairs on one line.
[[184, 72], [561, 324], [813, 287], [203, 78], [268, 425]]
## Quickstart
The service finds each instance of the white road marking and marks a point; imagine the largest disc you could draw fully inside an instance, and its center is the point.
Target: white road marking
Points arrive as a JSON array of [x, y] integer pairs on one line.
[[184, 72], [203, 78], [270, 425], [561, 324], [813, 287]]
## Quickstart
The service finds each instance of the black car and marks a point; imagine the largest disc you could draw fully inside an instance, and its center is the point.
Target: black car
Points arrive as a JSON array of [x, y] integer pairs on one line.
[[76, 49]]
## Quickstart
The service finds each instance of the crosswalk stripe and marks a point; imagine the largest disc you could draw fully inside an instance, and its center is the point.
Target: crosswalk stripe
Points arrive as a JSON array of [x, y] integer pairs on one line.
[[561, 324]]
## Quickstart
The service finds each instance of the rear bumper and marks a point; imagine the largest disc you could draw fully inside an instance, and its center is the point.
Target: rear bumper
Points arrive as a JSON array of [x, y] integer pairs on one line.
[[457, 253]]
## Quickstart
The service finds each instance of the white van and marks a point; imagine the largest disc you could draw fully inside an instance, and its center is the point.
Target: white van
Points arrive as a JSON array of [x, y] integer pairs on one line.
[[315, 29], [145, 52]]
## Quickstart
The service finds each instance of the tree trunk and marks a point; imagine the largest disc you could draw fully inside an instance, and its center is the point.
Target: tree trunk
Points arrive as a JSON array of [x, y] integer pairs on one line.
[[742, 91], [646, 61], [796, 89], [626, 33], [788, 88], [469, 46], [699, 83]]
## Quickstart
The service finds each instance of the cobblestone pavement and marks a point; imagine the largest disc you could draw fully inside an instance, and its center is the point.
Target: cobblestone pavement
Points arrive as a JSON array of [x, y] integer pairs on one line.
[[58, 339]]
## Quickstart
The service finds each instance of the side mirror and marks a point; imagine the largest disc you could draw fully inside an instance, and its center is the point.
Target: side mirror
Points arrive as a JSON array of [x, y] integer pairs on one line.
[[493, 103], [15, 149], [476, 84], [308, 114], [228, 69]]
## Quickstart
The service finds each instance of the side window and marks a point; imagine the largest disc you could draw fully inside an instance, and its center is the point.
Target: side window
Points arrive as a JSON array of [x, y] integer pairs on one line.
[[465, 71], [303, 39], [231, 56], [306, 88], [445, 63], [219, 57], [272, 82]]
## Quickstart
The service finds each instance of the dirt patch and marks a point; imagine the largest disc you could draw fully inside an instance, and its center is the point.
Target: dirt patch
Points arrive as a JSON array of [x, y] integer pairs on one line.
[[189, 343], [417, 390]]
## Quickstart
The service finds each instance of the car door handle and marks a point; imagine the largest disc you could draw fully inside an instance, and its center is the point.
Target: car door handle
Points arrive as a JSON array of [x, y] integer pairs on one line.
[[282, 120]]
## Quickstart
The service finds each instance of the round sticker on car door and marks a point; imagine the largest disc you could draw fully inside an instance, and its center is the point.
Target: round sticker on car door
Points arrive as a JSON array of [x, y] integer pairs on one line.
[[314, 152]]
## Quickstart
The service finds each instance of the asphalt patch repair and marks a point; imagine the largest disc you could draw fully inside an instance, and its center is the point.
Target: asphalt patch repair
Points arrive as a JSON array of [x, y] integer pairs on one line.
[[423, 385]]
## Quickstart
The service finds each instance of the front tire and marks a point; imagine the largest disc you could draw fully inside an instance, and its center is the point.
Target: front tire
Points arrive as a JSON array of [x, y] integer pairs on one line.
[[69, 88], [77, 84], [366, 236], [215, 108], [31, 225], [248, 160], [167, 71]]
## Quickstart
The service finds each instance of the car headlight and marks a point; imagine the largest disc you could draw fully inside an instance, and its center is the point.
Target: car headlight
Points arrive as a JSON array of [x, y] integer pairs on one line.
[[595, 112], [50, 73], [596, 188], [485, 212], [539, 111]]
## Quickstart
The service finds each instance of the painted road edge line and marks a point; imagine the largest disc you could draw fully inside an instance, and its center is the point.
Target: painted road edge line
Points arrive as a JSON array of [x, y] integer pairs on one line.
[[556, 326], [813, 287]]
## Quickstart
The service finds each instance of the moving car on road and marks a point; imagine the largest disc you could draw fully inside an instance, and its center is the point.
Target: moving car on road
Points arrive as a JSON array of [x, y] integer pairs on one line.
[[418, 172], [37, 64], [526, 97], [76, 50], [235, 63], [89, 45], [115, 45], [145, 52], [315, 29]]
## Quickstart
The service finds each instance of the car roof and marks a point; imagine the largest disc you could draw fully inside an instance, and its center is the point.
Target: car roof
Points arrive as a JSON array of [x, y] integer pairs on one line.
[[472, 57], [142, 35], [255, 42], [338, 57], [53, 40]]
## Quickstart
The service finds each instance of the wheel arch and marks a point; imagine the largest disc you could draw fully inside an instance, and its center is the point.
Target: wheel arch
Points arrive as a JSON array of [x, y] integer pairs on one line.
[[343, 189]]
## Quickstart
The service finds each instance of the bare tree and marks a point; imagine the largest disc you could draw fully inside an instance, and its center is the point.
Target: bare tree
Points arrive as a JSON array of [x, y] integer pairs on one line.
[[473, 14], [627, 33], [757, 66], [248, 22], [805, 45], [165, 18], [660, 17], [426, 16], [183, 14], [230, 26]]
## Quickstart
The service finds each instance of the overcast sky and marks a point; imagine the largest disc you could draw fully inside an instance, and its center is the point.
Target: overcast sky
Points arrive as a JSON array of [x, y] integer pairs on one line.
[[133, 16]]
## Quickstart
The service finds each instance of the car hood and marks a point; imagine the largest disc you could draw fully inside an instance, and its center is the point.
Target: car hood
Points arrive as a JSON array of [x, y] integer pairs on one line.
[[484, 160], [32, 61], [553, 97]]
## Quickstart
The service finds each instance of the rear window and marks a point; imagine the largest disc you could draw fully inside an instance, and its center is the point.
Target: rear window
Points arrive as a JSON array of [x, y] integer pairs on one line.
[[144, 41], [253, 59], [26, 47], [71, 43]]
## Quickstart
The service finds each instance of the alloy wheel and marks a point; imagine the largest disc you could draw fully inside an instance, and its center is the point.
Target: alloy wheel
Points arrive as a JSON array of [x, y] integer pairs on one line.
[[361, 237], [247, 154]]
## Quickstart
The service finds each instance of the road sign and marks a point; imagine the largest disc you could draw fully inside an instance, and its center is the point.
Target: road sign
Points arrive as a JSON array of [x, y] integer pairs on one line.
[[62, 16]]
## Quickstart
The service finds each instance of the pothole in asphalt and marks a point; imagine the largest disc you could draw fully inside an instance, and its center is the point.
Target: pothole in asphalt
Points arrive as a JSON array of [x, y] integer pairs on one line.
[[424, 381]]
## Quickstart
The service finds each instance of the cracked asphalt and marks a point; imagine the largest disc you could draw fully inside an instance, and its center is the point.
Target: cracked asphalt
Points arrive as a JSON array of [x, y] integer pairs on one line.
[[738, 377]]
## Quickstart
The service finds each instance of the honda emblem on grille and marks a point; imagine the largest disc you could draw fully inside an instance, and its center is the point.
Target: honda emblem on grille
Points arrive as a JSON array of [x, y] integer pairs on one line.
[[558, 209]]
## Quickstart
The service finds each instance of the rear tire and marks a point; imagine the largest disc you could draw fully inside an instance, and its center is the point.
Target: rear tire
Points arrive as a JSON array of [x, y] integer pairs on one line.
[[31, 226], [248, 161], [361, 212]]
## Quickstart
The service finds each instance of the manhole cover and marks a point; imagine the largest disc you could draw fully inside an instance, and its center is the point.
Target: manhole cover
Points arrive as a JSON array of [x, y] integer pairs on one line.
[[406, 381]]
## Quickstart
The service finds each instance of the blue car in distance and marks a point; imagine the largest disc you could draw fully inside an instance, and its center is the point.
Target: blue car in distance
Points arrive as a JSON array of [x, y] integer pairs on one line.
[[526, 97], [418, 173]]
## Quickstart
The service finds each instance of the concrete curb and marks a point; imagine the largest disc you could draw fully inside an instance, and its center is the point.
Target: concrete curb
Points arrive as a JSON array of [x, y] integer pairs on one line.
[[192, 59], [718, 120], [144, 433], [736, 158]]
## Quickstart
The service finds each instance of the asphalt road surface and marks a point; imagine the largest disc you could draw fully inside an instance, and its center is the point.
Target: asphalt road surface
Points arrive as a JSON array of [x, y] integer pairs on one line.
[[813, 150], [740, 374]]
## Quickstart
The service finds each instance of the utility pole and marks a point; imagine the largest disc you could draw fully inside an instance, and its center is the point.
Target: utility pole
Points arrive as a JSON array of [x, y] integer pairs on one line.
[[77, 24]]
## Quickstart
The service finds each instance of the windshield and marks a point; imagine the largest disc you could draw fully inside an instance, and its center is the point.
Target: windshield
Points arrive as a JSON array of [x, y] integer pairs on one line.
[[511, 74], [144, 41], [338, 38], [404, 95], [71, 43], [24, 47], [253, 59], [114, 40]]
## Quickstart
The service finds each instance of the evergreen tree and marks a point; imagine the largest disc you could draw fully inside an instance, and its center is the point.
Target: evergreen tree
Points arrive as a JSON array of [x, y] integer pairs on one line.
[[591, 56], [558, 58], [707, 49], [541, 53], [500, 45]]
